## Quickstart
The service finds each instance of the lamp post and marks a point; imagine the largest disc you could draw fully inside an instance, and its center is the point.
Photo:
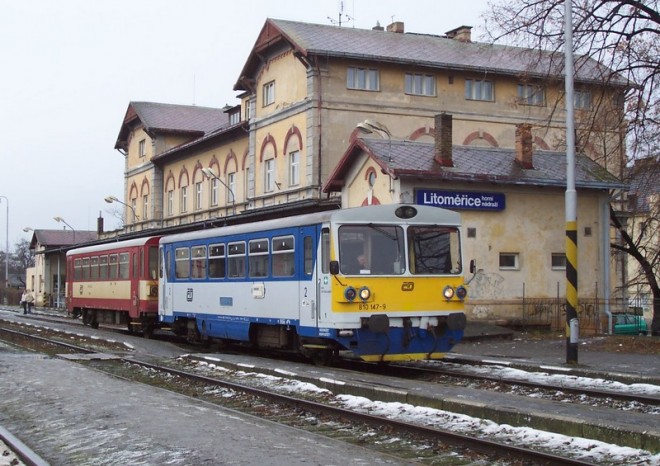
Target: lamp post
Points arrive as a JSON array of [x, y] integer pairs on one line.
[[60, 219], [111, 199], [370, 126], [7, 251], [210, 174]]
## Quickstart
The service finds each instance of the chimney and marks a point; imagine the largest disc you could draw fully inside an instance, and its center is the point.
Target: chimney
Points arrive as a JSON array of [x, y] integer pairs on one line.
[[442, 143], [378, 27], [99, 225], [524, 145], [396, 26], [461, 34]]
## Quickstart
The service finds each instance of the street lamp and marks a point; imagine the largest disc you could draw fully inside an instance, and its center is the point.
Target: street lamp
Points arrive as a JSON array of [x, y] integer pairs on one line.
[[210, 174], [111, 199], [60, 219], [370, 126], [7, 253]]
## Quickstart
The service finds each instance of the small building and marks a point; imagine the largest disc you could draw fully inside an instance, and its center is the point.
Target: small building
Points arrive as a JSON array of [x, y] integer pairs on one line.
[[512, 206], [46, 279]]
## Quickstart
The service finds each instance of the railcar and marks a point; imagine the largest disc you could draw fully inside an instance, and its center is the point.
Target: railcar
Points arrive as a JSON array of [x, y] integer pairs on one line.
[[115, 283], [294, 283]]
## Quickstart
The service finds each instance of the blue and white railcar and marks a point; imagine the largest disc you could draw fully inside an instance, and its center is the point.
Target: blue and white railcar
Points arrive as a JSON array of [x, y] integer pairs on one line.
[[296, 283]]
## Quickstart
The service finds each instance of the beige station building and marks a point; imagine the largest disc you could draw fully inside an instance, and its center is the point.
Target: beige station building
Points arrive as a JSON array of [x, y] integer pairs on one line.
[[470, 126]]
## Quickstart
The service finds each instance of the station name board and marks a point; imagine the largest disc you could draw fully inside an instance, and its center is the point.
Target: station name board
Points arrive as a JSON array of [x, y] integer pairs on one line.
[[461, 200]]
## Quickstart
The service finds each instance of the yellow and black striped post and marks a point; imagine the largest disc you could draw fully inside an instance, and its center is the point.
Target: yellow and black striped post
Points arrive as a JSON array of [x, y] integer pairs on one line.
[[572, 327]]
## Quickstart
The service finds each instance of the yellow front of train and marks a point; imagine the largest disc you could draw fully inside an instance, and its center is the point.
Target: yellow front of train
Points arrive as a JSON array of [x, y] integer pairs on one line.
[[403, 296]]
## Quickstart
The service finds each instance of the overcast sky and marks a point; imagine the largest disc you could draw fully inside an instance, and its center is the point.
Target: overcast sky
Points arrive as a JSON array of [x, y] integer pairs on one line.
[[70, 68]]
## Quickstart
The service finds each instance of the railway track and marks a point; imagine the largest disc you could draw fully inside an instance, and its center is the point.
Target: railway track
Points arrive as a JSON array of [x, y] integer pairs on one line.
[[511, 453]]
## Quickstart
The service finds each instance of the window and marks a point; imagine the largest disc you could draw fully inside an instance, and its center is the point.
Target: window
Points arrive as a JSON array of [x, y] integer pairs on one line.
[[479, 89], [294, 168], [420, 84], [235, 118], [103, 267], [85, 268], [77, 269], [184, 199], [133, 206], [258, 260], [145, 207], [236, 259], [182, 265], [509, 261], [364, 79], [530, 94], [269, 93], [199, 262], [94, 268], [283, 256], [434, 250], [231, 187], [371, 250], [214, 191], [198, 195], [112, 270], [246, 184], [582, 99], [217, 261], [142, 150], [170, 202], [123, 265], [269, 179], [558, 261]]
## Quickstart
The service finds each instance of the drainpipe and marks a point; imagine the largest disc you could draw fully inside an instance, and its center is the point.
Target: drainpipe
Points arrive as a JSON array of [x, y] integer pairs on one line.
[[605, 257]]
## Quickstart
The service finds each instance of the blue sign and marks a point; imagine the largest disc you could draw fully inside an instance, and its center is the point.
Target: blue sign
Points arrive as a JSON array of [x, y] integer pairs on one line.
[[461, 200]]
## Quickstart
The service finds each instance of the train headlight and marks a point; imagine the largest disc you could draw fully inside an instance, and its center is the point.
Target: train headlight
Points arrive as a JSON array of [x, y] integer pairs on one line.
[[448, 292], [461, 292], [365, 293], [405, 212], [350, 294]]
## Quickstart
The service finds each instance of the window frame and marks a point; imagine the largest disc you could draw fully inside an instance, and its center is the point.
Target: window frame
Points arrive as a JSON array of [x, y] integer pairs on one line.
[[362, 79], [556, 257], [529, 94], [269, 175], [268, 93], [474, 85], [183, 207], [294, 168], [420, 84], [582, 99], [199, 191], [513, 255]]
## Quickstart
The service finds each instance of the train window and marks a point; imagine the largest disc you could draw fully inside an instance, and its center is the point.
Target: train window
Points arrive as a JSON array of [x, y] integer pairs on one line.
[[137, 266], [181, 258], [85, 268], [153, 262], [371, 250], [77, 269], [308, 253], [94, 268], [217, 261], [123, 265], [325, 250], [258, 261], [434, 250], [103, 267], [113, 260], [199, 262], [236, 259], [283, 256]]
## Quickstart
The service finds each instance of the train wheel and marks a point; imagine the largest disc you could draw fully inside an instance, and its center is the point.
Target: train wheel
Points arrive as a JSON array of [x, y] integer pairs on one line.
[[148, 331], [86, 317], [321, 357], [94, 323], [76, 313]]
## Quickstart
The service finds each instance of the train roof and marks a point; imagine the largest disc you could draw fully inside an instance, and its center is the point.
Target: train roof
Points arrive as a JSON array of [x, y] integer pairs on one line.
[[374, 213], [115, 245]]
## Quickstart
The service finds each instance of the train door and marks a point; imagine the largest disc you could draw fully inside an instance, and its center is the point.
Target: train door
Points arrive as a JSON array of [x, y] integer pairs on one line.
[[164, 286], [308, 284], [137, 264]]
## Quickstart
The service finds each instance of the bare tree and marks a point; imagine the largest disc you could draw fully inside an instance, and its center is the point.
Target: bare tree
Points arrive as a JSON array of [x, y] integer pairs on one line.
[[21, 260], [623, 36]]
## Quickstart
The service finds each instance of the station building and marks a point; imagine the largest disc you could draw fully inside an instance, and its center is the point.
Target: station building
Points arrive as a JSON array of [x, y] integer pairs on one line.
[[456, 123]]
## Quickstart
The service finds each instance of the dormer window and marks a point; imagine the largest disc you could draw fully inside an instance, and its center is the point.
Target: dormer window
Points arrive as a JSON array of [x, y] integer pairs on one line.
[[235, 117]]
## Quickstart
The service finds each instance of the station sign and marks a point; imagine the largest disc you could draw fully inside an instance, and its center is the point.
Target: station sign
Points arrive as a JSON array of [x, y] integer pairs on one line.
[[460, 200]]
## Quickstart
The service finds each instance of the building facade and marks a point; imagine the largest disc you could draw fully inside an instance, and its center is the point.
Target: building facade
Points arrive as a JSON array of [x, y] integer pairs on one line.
[[306, 88]]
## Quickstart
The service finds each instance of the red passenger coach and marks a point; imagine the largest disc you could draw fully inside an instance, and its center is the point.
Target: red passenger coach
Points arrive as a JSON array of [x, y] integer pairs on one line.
[[115, 284]]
